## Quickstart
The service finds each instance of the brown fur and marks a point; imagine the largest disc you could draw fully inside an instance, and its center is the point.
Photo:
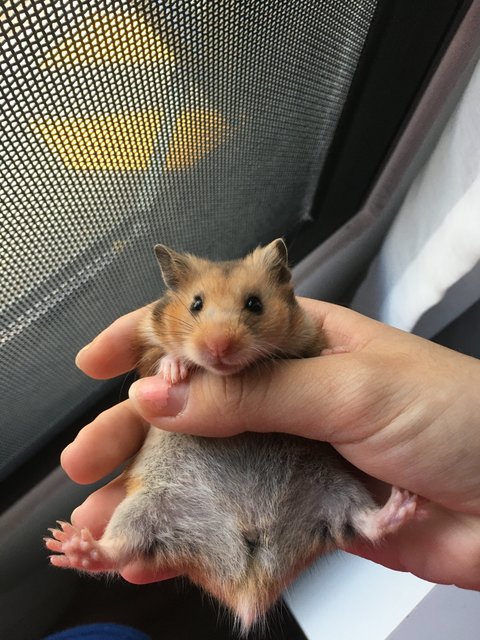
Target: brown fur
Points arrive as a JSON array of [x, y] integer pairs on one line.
[[133, 484], [282, 330]]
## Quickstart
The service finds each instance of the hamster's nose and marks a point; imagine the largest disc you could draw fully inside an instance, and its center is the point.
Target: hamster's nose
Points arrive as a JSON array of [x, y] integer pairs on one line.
[[218, 345]]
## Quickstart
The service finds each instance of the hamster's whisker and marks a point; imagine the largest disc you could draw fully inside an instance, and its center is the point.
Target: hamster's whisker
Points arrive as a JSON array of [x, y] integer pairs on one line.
[[184, 331], [239, 318], [124, 380], [266, 350], [187, 324]]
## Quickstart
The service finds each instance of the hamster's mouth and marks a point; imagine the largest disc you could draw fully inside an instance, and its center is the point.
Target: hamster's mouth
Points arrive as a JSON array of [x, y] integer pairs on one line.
[[224, 368], [223, 364]]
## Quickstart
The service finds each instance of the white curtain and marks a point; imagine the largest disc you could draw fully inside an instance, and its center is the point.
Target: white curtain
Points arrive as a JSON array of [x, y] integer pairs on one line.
[[430, 259]]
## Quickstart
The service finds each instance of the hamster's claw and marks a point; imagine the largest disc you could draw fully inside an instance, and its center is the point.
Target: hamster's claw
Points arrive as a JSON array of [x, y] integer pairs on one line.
[[172, 369]]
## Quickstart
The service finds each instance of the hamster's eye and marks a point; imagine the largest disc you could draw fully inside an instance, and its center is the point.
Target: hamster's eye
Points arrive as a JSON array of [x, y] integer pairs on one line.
[[254, 304], [197, 304]]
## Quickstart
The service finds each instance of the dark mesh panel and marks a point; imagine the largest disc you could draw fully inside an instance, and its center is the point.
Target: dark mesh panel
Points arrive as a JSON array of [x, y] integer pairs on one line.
[[203, 125]]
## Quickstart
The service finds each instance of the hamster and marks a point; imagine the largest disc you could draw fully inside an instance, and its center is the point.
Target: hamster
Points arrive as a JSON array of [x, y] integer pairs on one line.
[[240, 516]]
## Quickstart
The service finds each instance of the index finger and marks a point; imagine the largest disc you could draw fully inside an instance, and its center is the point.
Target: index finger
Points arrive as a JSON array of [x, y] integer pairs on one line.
[[112, 352]]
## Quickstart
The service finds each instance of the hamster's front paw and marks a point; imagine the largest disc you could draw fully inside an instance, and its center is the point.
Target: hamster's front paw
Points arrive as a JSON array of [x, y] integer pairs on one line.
[[77, 549], [172, 369]]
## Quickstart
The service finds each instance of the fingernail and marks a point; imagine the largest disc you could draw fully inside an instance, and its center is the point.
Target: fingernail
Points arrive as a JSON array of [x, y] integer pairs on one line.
[[74, 515], [79, 354], [65, 452], [87, 346], [82, 350], [158, 398]]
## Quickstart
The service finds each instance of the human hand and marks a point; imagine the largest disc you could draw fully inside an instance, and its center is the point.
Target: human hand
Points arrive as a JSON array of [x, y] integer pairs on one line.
[[400, 408]]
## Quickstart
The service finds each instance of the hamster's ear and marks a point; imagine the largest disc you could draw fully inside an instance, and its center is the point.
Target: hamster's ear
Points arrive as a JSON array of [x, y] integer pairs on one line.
[[275, 255], [174, 266]]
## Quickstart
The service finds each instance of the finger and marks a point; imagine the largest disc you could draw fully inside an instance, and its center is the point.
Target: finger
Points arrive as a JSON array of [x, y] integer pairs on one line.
[[269, 399], [375, 405], [95, 512], [112, 352], [142, 572], [100, 447]]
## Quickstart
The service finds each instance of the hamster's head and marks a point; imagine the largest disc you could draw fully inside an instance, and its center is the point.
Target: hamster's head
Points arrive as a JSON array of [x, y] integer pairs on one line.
[[224, 316]]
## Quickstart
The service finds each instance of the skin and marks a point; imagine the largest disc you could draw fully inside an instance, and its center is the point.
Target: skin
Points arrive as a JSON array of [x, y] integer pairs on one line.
[[402, 409]]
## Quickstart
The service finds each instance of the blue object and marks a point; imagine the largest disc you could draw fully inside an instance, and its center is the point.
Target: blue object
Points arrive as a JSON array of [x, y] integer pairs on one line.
[[99, 631]]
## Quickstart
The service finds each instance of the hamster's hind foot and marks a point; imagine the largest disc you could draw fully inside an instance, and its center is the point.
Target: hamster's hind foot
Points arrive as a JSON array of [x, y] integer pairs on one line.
[[401, 507], [77, 549]]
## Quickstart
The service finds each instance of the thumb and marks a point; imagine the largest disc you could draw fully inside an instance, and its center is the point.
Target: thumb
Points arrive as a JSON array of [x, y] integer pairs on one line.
[[322, 398]]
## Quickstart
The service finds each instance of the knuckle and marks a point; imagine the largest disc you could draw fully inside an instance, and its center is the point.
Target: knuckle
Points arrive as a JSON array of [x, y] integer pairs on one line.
[[229, 396], [233, 396]]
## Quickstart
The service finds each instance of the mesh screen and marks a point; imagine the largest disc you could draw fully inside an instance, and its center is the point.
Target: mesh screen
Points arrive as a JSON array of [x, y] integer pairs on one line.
[[203, 125]]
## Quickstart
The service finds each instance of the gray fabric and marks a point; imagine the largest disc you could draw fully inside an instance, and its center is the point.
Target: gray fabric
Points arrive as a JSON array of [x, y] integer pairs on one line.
[[435, 238], [333, 269], [457, 299], [200, 125]]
